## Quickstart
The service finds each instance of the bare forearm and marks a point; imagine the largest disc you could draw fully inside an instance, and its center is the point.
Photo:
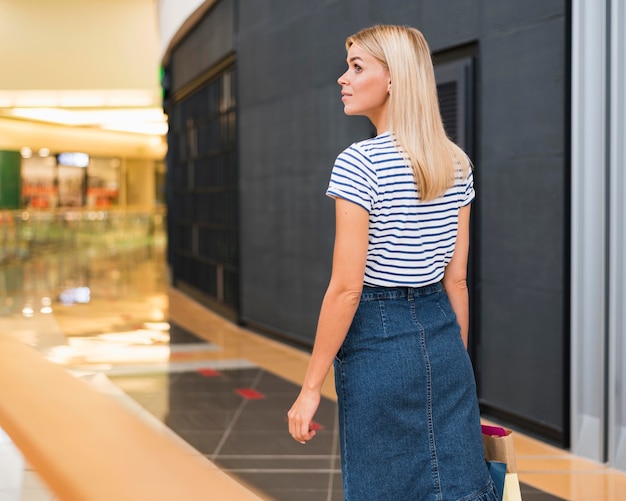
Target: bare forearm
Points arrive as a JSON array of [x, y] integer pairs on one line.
[[336, 315], [455, 276], [340, 303], [459, 300]]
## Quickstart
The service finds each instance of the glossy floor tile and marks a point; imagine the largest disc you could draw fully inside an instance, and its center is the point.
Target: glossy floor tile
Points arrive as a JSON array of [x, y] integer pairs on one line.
[[108, 316]]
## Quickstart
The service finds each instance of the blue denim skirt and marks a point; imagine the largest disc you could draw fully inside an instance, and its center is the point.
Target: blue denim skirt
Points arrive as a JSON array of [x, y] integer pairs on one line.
[[408, 409]]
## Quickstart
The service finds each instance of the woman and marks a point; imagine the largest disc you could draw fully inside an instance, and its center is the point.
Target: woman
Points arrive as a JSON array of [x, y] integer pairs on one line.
[[394, 319]]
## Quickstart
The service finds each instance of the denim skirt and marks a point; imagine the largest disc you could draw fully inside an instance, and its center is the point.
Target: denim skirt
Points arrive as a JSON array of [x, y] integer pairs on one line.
[[408, 409]]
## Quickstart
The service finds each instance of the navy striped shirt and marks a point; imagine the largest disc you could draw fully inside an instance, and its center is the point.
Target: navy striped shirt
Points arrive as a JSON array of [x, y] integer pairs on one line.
[[410, 242]]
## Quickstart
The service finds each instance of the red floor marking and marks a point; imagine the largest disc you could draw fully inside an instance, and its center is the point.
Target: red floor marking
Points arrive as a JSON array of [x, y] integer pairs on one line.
[[209, 372], [313, 426], [250, 394]]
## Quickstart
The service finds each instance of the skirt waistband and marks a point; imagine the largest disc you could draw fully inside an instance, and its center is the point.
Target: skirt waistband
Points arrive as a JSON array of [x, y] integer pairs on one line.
[[378, 293]]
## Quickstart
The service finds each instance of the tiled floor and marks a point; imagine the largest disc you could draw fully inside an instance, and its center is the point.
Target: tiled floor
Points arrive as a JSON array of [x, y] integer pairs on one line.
[[222, 389], [236, 417]]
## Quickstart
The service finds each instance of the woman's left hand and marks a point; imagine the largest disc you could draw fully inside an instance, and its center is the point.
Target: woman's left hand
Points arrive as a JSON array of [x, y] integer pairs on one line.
[[301, 415]]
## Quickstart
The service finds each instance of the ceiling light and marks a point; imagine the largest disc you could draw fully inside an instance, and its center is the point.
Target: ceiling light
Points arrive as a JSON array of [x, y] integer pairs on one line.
[[46, 115], [154, 129], [81, 98]]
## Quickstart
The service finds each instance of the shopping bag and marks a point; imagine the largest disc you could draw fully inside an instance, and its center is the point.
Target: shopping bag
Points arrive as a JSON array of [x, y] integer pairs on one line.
[[500, 455], [498, 446]]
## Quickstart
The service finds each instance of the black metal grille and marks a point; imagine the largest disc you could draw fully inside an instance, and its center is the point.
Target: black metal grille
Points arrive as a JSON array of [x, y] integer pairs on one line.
[[448, 105], [202, 188]]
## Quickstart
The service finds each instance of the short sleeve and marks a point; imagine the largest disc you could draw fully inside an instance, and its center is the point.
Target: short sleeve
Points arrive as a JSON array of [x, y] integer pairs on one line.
[[469, 194], [353, 178]]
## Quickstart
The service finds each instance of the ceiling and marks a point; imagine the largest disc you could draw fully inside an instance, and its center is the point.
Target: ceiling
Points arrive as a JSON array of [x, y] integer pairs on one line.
[[81, 75]]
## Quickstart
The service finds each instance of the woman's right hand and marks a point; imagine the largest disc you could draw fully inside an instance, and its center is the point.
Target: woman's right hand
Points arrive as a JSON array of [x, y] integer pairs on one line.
[[301, 414]]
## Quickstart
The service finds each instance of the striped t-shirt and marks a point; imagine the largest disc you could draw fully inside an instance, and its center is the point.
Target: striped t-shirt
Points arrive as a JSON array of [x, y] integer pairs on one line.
[[410, 242]]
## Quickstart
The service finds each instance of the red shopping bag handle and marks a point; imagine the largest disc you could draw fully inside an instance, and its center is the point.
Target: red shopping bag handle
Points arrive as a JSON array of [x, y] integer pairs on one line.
[[493, 431]]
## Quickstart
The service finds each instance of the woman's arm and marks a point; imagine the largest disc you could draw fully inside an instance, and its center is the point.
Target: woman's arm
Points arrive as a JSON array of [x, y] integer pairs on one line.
[[455, 276], [338, 308]]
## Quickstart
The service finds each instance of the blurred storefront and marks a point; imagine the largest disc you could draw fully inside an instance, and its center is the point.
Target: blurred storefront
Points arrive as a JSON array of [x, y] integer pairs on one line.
[[75, 179]]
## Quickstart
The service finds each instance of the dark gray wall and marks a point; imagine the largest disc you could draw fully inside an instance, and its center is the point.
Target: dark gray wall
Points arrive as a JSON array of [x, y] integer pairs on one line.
[[523, 222], [291, 127]]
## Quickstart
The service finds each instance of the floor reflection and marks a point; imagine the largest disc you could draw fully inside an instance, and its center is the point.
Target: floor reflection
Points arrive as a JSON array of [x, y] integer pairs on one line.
[[97, 306]]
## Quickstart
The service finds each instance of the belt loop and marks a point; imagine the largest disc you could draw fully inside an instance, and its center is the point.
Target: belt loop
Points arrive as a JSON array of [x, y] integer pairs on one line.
[[409, 293]]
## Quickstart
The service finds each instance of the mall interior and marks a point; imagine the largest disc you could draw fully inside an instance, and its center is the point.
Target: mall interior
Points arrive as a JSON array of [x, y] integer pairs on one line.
[[156, 288]]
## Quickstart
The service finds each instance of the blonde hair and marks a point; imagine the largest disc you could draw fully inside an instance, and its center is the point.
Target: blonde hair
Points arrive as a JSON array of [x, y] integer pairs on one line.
[[414, 116]]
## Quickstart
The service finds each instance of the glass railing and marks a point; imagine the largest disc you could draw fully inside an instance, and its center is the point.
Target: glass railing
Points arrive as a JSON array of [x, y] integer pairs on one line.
[[28, 233]]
